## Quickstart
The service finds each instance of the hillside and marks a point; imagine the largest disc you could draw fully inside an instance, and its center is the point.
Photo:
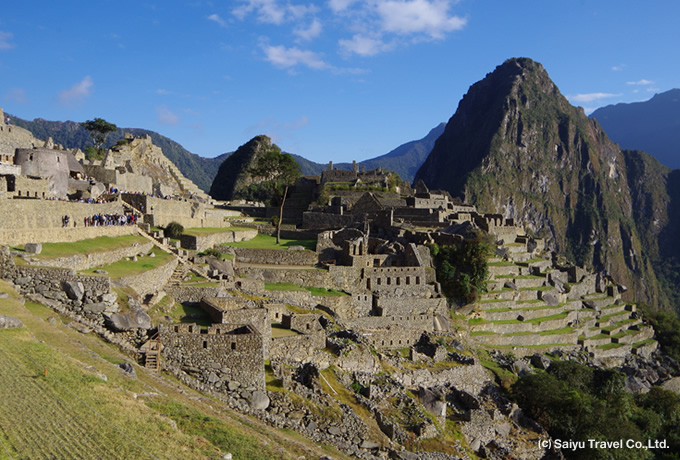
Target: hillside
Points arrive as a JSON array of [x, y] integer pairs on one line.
[[199, 170], [515, 144], [67, 397], [652, 126]]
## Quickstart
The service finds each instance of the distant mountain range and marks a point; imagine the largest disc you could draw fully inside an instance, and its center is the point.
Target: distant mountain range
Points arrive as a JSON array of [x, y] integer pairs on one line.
[[404, 160], [652, 126]]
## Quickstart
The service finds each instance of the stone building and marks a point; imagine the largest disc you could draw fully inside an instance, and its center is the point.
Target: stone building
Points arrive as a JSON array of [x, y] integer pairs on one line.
[[57, 166], [224, 356]]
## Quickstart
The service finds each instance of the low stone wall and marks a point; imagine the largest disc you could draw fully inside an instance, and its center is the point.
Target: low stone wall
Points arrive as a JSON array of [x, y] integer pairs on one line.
[[302, 277], [524, 326], [405, 306], [203, 242], [151, 281], [190, 294], [297, 347], [275, 256], [40, 221], [97, 259], [469, 378], [394, 337], [528, 340], [421, 322]]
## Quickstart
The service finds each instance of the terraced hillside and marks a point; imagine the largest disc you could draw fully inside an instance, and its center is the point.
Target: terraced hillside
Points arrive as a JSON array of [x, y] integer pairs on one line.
[[533, 303]]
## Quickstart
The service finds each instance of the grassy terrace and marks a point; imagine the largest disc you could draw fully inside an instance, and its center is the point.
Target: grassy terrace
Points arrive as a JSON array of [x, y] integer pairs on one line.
[[562, 330], [642, 343], [315, 291], [262, 241], [538, 320], [83, 247], [124, 268], [212, 230]]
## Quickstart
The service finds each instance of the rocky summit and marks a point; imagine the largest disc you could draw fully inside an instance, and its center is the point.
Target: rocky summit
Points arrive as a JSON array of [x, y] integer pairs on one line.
[[515, 144]]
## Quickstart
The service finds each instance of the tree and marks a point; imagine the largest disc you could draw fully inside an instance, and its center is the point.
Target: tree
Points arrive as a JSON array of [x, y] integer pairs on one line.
[[280, 171], [99, 129]]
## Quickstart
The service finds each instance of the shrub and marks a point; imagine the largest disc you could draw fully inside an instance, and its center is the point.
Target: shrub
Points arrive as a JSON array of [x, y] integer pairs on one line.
[[174, 230]]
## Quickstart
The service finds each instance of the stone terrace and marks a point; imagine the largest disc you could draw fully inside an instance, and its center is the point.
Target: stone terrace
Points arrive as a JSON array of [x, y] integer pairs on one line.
[[532, 304]]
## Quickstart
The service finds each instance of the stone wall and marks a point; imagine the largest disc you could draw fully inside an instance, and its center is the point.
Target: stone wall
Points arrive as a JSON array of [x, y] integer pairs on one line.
[[405, 306], [191, 294], [225, 356], [160, 212], [305, 324], [394, 337], [203, 242], [13, 137], [39, 221], [275, 256], [150, 281], [302, 277], [413, 321], [97, 259], [47, 163], [296, 348]]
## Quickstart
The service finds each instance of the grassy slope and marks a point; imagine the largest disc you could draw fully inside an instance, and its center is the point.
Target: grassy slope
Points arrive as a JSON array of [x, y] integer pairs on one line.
[[75, 413]]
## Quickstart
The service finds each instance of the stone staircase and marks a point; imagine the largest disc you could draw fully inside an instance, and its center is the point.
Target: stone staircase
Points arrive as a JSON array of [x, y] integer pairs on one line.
[[528, 306], [187, 185], [151, 350]]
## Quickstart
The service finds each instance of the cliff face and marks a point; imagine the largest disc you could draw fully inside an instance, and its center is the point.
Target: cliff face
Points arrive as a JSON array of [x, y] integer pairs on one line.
[[232, 176], [515, 145]]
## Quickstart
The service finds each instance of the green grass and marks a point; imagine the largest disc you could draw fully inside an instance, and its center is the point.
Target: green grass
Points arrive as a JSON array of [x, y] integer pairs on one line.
[[202, 231], [609, 346], [99, 244], [279, 331], [124, 268], [262, 241], [562, 330], [478, 333], [642, 343], [315, 291]]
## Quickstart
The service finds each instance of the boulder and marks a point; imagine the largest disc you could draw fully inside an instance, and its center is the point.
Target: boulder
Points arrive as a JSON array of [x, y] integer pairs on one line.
[[540, 361], [672, 384], [74, 289], [136, 319], [550, 299], [510, 285], [109, 297], [296, 248], [7, 322], [95, 308], [33, 248], [259, 400]]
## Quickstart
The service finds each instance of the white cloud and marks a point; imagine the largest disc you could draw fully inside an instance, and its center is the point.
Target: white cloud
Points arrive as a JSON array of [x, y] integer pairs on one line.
[[590, 97], [217, 19], [284, 58], [163, 92], [642, 82], [340, 5], [311, 32], [268, 11], [166, 116], [618, 68], [78, 92], [418, 16], [363, 46], [5, 38], [17, 95]]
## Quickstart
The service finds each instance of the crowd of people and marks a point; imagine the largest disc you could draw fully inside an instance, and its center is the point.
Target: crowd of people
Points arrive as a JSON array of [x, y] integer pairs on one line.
[[98, 220]]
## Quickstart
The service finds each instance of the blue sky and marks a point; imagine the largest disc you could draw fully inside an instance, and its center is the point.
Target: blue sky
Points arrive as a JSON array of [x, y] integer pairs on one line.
[[330, 80]]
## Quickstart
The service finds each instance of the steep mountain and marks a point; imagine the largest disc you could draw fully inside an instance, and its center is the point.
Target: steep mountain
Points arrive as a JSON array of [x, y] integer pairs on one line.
[[652, 126], [71, 135], [517, 146], [232, 176]]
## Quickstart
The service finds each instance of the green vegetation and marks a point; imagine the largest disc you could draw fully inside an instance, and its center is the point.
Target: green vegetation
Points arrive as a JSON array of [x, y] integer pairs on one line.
[[212, 230], [667, 328], [124, 268], [462, 270], [174, 230], [577, 402], [214, 430], [99, 129], [315, 291], [279, 171], [263, 241], [99, 244]]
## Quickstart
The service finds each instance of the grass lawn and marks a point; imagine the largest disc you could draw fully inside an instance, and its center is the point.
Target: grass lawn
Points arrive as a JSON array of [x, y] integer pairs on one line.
[[100, 244], [279, 331], [315, 291], [262, 241], [124, 268], [212, 230]]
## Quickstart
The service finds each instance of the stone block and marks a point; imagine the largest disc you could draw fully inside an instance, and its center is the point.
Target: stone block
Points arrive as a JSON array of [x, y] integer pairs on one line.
[[33, 248], [74, 289]]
